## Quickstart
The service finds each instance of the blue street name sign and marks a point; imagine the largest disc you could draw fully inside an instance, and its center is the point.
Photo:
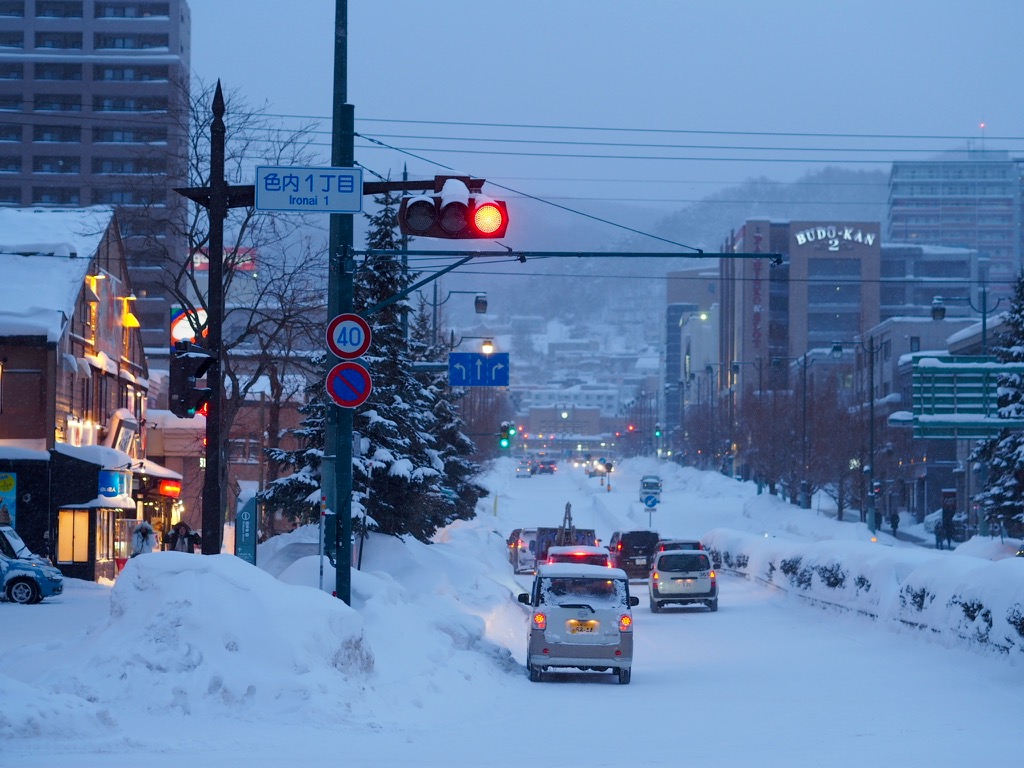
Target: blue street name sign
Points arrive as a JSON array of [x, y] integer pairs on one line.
[[309, 190], [475, 369]]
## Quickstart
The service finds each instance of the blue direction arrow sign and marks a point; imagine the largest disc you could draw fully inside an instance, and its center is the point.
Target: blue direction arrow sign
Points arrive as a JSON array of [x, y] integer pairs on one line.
[[475, 369], [348, 384], [650, 501]]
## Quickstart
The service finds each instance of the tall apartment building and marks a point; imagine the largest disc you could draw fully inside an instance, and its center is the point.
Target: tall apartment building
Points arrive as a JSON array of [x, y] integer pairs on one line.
[[94, 110], [967, 198]]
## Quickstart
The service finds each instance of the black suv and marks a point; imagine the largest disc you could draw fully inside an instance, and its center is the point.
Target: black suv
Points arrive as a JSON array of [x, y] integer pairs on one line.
[[632, 551]]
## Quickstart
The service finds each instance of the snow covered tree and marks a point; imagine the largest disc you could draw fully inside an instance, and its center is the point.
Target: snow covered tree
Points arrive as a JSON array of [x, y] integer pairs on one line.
[[399, 476], [1002, 499], [1003, 496], [296, 495]]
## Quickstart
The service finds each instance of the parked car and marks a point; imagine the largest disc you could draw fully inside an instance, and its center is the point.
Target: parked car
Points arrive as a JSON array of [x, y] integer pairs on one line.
[[580, 554], [664, 544], [522, 549], [682, 577], [632, 551], [26, 577], [580, 619]]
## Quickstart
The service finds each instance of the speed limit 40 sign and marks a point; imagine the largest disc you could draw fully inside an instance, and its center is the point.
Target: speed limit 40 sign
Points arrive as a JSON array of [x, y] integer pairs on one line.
[[348, 336]]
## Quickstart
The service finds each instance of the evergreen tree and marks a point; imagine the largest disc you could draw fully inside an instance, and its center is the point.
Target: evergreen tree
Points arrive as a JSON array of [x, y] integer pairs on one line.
[[1002, 499], [297, 495], [453, 447]]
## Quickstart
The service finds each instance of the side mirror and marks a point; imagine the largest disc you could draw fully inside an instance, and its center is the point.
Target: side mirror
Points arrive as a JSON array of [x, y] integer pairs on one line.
[[524, 598], [634, 601]]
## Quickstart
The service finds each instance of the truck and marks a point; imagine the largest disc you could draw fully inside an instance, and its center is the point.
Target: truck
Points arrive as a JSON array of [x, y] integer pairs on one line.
[[529, 546], [650, 485]]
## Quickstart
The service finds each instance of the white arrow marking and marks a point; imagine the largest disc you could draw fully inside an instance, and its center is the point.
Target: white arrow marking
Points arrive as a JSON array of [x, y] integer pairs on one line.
[[494, 371], [462, 368], [479, 368]]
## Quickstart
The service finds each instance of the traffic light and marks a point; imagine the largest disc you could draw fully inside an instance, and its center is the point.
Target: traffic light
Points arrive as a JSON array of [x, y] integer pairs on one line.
[[453, 212], [657, 430], [508, 431], [189, 363]]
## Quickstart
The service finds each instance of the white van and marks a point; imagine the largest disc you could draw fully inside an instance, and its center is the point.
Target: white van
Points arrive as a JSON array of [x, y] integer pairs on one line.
[[522, 550], [581, 619]]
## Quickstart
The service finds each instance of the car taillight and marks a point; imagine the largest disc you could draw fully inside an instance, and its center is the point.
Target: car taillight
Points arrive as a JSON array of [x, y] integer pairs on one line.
[[625, 623], [655, 575], [618, 547], [540, 621], [712, 574]]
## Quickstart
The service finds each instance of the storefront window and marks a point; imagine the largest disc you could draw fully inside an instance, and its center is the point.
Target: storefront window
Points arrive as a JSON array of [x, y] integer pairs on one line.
[[73, 536]]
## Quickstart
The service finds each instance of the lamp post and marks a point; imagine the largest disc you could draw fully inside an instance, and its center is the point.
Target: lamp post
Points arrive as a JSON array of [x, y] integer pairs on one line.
[[939, 311], [479, 306], [871, 350]]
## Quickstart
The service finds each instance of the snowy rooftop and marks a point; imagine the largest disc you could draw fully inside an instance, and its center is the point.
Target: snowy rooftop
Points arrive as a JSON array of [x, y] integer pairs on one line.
[[44, 258]]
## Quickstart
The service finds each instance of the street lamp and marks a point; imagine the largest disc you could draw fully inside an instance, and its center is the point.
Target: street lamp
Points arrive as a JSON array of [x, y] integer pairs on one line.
[[939, 311], [871, 350], [479, 306]]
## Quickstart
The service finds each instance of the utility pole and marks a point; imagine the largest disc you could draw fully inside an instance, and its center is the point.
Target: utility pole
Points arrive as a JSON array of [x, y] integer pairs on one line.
[[337, 477]]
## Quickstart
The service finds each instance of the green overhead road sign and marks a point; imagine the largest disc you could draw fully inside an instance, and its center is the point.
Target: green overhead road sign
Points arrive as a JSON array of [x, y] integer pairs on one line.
[[956, 398]]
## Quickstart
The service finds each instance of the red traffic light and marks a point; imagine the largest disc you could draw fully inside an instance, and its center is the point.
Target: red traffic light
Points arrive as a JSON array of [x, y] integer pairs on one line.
[[454, 213]]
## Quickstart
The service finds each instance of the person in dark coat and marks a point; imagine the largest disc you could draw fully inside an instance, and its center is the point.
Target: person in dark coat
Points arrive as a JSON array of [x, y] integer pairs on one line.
[[894, 521], [181, 538], [940, 535]]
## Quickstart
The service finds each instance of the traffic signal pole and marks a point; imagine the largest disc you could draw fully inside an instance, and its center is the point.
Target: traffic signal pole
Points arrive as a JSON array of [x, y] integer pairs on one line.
[[337, 475]]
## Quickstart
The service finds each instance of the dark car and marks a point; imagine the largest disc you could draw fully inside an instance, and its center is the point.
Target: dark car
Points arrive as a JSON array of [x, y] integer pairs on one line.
[[546, 468], [632, 551]]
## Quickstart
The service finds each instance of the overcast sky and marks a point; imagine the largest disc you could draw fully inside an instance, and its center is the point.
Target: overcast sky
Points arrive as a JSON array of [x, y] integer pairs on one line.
[[705, 94]]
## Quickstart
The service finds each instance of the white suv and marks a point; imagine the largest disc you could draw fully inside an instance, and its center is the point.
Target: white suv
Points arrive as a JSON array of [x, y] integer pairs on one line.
[[682, 577], [581, 619]]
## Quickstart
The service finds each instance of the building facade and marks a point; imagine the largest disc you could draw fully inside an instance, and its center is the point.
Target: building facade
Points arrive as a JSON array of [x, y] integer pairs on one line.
[[968, 199], [94, 111]]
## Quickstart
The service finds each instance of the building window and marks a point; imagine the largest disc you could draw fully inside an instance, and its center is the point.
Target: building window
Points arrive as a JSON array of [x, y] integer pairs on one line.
[[9, 71], [915, 343], [10, 164], [59, 40], [64, 134], [129, 136], [73, 535], [126, 165], [45, 164], [132, 10], [55, 196], [136, 74], [10, 195], [12, 39], [10, 132], [10, 102], [12, 9], [121, 41], [130, 104], [58, 9], [51, 71], [58, 102]]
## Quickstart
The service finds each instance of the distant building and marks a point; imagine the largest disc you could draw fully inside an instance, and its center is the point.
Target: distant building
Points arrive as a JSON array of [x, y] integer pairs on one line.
[[967, 198], [94, 109]]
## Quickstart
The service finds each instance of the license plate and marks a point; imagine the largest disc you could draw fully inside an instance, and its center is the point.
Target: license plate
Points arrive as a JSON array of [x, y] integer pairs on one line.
[[582, 627], [640, 560]]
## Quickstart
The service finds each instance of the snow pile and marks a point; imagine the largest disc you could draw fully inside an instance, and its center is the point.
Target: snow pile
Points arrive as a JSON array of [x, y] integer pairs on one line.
[[974, 595]]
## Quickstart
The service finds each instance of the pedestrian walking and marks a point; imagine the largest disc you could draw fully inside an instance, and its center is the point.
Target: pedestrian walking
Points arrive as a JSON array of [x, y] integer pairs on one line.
[[182, 538], [894, 521], [940, 535], [143, 539]]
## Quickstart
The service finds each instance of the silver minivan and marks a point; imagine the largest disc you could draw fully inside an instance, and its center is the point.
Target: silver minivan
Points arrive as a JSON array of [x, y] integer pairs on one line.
[[580, 619], [682, 577]]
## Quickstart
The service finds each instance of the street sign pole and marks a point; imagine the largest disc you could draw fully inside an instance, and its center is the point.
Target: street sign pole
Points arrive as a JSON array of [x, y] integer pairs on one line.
[[337, 475]]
